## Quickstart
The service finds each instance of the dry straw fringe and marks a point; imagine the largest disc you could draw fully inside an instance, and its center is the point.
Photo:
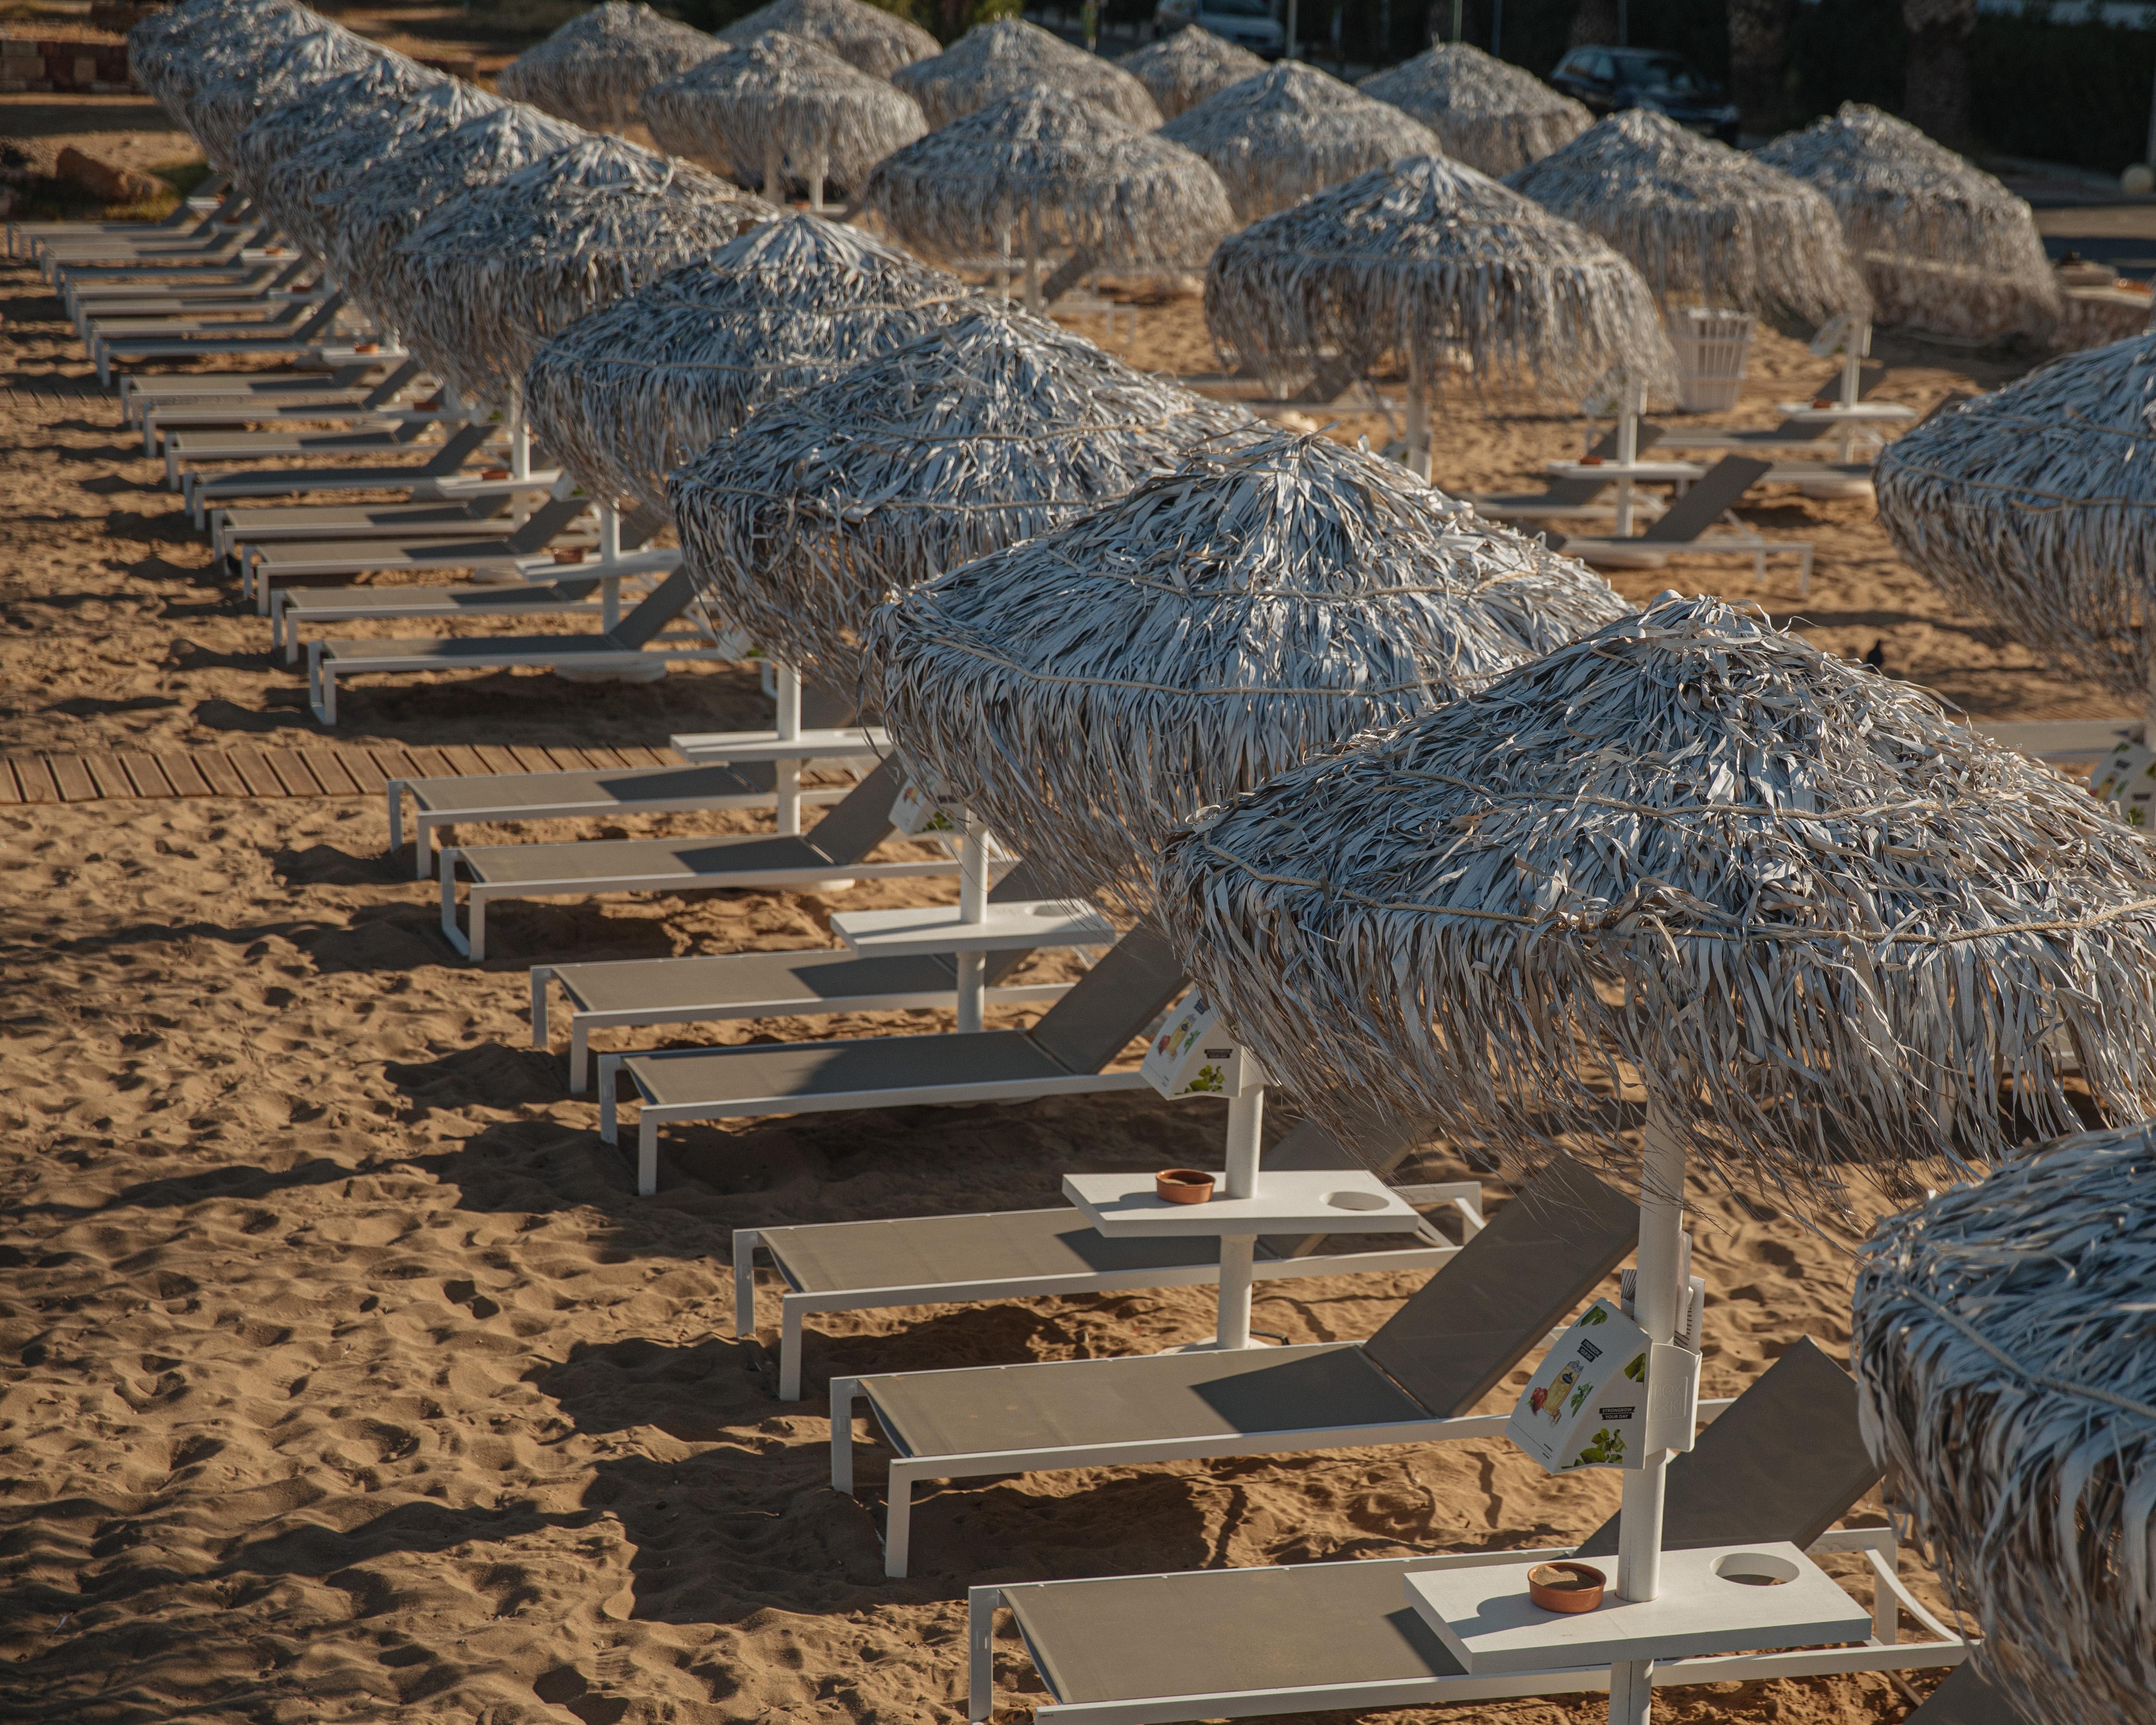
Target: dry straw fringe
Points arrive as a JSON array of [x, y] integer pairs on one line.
[[1277, 137], [281, 162], [991, 61], [867, 38], [1705, 223], [226, 105], [992, 429], [369, 219], [2005, 1342], [639, 386], [1430, 265], [1090, 690], [1180, 71], [1943, 245], [1491, 115], [1044, 174], [496, 270], [781, 94], [592, 69], [1825, 923], [2036, 505], [173, 54]]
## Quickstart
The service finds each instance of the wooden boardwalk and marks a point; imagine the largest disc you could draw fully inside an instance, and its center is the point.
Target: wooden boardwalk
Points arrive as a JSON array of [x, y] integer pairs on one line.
[[116, 774]]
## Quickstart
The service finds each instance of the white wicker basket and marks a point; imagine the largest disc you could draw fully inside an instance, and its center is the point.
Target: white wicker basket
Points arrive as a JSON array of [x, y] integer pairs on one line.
[[1712, 348]]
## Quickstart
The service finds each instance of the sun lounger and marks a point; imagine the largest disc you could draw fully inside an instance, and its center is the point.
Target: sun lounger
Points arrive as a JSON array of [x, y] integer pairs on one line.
[[1784, 1461], [308, 335], [267, 286], [858, 1266], [398, 395], [168, 309], [232, 529], [1564, 499], [1065, 1054], [1683, 529], [1793, 433], [448, 457], [138, 395], [642, 992], [382, 430], [191, 214], [633, 645], [1417, 1380], [224, 240]]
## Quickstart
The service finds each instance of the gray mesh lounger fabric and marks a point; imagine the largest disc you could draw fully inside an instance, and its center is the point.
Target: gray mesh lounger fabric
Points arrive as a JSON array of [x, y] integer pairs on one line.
[[600, 789], [801, 1072], [535, 534], [1308, 1626], [921, 1251], [482, 516]]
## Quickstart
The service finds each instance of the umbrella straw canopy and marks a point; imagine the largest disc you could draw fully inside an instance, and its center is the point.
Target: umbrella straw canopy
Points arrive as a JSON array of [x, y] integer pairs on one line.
[[1181, 70], [594, 68], [991, 61], [1822, 921], [1088, 690], [992, 429], [1487, 114], [1705, 223], [224, 106], [867, 38], [1049, 172], [496, 270], [345, 109], [643, 384], [172, 54], [1432, 266], [2004, 1335], [779, 108], [1943, 245], [1276, 138], [2036, 505]]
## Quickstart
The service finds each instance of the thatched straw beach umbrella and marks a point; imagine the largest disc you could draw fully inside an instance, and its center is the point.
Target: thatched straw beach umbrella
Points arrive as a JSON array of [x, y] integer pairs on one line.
[[1487, 114], [989, 430], [496, 270], [642, 385], [1431, 266], [173, 54], [1817, 922], [346, 111], [1089, 689], [1276, 138], [594, 68], [867, 38], [1702, 221], [223, 107], [1943, 246], [781, 111], [1053, 174], [2003, 1344], [2036, 505], [991, 61], [1181, 70]]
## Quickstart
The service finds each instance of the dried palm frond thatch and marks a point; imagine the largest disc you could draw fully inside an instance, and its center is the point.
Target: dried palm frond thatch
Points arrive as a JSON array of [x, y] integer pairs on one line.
[[1819, 921], [991, 61], [867, 38], [1705, 223], [1276, 138], [1943, 246], [1181, 70], [225, 105], [312, 179], [2004, 1341], [2036, 505], [1488, 114], [780, 107], [496, 270], [594, 68], [1431, 266], [1050, 173], [171, 55], [368, 220], [1090, 690], [346, 110], [642, 385], [990, 430]]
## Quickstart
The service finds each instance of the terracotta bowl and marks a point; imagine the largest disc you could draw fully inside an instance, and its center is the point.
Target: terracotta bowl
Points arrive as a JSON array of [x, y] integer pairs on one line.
[[1183, 1185], [1566, 1587], [495, 473], [569, 557]]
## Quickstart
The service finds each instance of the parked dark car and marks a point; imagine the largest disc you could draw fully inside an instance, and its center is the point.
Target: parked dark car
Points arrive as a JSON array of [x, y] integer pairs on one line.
[[1609, 79]]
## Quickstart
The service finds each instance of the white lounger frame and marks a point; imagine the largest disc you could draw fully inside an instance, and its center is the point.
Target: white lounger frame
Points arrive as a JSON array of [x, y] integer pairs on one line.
[[651, 1116], [537, 571], [322, 676], [1464, 1195], [1883, 1652]]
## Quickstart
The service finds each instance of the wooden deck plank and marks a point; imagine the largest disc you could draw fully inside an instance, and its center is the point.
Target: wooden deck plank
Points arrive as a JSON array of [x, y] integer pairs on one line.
[[184, 777], [143, 772], [217, 771], [431, 763], [327, 766], [106, 773], [364, 771], [10, 791], [497, 758], [35, 778], [293, 772], [255, 773], [463, 760], [395, 763], [72, 777]]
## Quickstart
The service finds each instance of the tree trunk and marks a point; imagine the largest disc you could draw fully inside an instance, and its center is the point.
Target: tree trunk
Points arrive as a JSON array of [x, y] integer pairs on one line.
[[1759, 62], [1936, 96]]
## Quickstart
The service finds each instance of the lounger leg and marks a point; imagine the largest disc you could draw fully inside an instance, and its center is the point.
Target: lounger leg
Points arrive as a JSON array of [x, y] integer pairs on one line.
[[609, 1114], [450, 932], [790, 1314], [898, 1521], [843, 1392], [541, 974], [394, 791], [1631, 1691], [745, 1243], [647, 1155], [981, 1603], [580, 1055]]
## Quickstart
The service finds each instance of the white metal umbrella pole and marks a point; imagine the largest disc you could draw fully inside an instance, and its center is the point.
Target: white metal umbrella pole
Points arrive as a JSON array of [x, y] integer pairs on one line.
[[786, 772], [1238, 1252], [973, 908], [1631, 404], [1418, 438], [519, 435], [609, 557]]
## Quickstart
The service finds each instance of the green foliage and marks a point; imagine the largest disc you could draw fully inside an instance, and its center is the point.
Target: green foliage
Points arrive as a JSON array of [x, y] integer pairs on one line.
[[2073, 92], [1606, 1449]]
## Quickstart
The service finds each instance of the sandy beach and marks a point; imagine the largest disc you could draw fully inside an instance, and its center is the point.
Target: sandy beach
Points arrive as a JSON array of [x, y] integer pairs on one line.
[[342, 1375]]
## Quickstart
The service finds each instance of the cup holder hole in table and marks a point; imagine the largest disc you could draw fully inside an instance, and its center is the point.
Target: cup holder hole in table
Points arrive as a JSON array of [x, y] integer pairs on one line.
[[1355, 1200], [1755, 1568]]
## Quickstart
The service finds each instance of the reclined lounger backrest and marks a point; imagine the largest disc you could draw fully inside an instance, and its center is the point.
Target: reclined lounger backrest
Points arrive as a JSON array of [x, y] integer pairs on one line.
[[1478, 1316], [458, 447], [544, 522], [652, 613], [1704, 505], [1114, 1001], [860, 820]]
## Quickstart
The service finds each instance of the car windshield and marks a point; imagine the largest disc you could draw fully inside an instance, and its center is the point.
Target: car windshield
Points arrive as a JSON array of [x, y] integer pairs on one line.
[[1236, 8], [1660, 71]]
